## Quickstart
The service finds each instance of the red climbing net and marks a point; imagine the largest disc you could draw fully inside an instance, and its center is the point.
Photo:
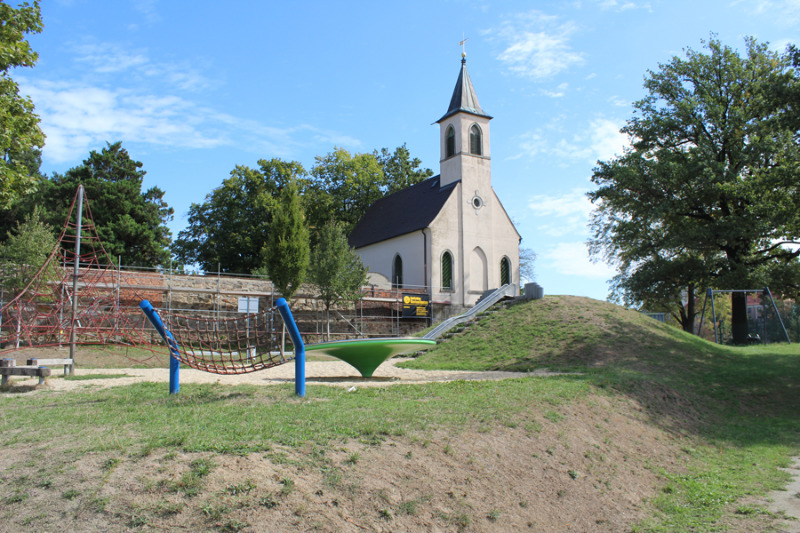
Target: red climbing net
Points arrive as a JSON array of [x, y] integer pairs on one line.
[[75, 297], [80, 297]]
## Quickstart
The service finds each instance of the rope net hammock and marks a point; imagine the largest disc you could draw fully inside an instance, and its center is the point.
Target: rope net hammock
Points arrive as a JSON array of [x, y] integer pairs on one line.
[[236, 345]]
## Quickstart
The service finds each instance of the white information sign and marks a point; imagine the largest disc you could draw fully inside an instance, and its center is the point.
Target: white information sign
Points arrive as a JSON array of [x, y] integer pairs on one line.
[[248, 304]]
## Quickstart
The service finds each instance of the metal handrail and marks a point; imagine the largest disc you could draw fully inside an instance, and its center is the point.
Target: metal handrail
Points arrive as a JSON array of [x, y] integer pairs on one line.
[[506, 290]]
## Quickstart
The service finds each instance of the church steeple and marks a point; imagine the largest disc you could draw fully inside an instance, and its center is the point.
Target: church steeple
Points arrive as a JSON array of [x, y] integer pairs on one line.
[[464, 137], [464, 97]]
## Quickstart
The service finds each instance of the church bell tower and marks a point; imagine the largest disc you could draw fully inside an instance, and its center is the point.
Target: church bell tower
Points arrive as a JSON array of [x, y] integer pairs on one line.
[[464, 138]]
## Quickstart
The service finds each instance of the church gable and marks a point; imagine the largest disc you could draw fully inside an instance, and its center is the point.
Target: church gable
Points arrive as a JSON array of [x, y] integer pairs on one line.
[[506, 217]]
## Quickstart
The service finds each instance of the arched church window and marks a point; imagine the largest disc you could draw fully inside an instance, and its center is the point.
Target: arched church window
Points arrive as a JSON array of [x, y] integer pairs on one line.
[[447, 272], [450, 142], [505, 271], [397, 272], [475, 141]]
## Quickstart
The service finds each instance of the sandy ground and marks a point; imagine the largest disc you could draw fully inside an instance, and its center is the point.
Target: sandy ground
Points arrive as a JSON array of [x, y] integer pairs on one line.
[[788, 500], [332, 373]]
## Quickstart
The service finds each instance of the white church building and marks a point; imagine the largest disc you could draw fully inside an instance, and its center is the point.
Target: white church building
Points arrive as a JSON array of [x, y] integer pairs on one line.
[[449, 235]]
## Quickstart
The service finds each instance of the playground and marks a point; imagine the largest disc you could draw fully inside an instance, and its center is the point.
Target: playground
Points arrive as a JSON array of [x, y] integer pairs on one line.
[[643, 426], [559, 414]]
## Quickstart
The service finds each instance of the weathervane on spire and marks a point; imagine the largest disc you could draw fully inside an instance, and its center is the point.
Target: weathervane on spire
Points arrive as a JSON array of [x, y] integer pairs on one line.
[[461, 44]]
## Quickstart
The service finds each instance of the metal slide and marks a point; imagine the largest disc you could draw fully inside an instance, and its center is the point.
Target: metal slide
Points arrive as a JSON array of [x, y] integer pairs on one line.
[[508, 290]]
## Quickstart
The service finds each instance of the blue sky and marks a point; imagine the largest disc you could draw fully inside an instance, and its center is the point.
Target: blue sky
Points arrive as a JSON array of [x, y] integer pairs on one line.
[[193, 88]]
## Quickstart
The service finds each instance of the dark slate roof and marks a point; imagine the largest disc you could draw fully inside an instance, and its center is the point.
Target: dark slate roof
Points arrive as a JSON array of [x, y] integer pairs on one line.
[[464, 97], [411, 209]]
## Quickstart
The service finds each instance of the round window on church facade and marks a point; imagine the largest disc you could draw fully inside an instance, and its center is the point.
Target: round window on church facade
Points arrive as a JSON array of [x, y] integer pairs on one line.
[[477, 202]]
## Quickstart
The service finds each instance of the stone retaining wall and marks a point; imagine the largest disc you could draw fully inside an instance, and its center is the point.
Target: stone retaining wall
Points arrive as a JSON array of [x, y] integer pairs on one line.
[[377, 313]]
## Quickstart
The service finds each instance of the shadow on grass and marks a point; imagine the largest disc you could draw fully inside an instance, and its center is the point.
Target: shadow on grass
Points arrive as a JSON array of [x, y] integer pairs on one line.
[[11, 388], [743, 395]]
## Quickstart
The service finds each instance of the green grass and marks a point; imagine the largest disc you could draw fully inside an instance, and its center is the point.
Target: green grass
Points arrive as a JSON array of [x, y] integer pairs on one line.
[[247, 419], [739, 406], [734, 411]]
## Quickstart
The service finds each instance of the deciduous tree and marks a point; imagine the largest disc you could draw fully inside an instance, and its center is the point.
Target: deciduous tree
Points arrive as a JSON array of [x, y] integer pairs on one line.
[[19, 125], [24, 252], [527, 258], [707, 194], [229, 229], [400, 170], [344, 185], [336, 269]]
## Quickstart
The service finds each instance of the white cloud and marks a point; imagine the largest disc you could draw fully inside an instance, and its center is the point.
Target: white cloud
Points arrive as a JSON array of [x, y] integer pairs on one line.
[[566, 214], [616, 5], [121, 94], [558, 93], [606, 141], [536, 45], [148, 9], [571, 203], [77, 118], [104, 59], [599, 140], [618, 101], [572, 259], [784, 12]]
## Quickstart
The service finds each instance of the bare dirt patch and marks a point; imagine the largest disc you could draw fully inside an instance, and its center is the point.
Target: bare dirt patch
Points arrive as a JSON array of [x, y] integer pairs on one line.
[[590, 468]]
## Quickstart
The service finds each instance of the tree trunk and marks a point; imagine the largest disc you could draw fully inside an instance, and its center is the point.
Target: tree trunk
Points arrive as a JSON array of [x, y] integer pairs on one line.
[[327, 323], [739, 317], [19, 329], [688, 313]]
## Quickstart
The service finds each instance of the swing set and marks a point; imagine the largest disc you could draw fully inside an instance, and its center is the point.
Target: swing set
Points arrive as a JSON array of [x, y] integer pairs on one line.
[[756, 337]]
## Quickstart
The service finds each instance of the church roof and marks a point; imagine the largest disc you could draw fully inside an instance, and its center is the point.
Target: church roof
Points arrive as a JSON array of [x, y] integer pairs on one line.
[[464, 97], [411, 209]]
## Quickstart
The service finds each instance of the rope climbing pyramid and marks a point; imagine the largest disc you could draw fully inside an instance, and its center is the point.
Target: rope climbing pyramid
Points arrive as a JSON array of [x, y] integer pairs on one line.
[[74, 297]]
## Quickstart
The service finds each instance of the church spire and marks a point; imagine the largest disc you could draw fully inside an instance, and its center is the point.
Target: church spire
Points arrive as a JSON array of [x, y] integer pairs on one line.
[[464, 97]]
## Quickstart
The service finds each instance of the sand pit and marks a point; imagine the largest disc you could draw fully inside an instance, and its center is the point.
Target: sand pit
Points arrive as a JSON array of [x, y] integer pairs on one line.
[[328, 373]]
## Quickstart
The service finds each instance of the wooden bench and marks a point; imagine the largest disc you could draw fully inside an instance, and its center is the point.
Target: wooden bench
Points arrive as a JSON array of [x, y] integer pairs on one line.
[[67, 363], [8, 367]]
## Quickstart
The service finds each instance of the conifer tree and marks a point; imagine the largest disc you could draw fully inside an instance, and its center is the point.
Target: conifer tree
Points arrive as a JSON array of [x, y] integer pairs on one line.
[[286, 252]]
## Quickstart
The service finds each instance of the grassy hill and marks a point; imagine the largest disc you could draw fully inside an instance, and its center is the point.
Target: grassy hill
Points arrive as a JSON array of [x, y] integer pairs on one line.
[[615, 346], [647, 429], [562, 331]]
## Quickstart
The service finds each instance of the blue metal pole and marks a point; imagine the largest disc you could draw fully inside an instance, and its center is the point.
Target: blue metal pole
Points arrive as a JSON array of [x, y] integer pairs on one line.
[[174, 362], [299, 347]]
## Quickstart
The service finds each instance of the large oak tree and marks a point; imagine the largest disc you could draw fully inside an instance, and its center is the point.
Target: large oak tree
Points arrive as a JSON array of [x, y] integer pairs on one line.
[[228, 230], [708, 194]]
